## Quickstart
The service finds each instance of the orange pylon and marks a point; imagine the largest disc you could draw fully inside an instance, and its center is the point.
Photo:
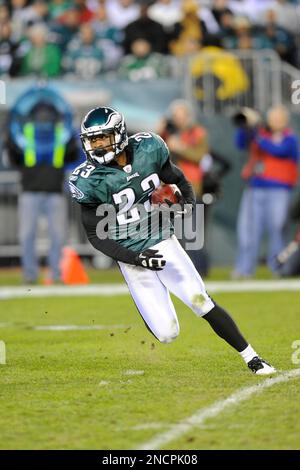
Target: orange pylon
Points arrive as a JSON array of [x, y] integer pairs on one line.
[[72, 269]]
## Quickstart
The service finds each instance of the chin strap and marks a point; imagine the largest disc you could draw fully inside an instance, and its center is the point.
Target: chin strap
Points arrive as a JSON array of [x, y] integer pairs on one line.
[[108, 157]]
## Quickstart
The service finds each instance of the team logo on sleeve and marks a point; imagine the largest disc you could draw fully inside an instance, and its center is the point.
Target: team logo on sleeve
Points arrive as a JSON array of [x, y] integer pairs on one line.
[[73, 178], [76, 193]]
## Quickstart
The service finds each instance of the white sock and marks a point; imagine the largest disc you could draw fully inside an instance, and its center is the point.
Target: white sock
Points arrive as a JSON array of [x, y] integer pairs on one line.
[[248, 353]]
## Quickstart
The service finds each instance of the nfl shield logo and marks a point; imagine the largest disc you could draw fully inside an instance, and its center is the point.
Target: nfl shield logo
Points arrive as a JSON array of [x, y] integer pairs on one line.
[[127, 169]]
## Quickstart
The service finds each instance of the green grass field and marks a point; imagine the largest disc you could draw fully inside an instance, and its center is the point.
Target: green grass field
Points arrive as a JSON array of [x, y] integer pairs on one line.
[[13, 276], [71, 389]]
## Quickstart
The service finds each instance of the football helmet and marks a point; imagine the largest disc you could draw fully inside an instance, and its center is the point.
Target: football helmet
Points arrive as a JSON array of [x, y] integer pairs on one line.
[[99, 122]]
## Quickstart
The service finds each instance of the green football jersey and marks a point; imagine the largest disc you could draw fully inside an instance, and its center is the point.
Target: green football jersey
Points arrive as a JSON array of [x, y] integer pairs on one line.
[[125, 194]]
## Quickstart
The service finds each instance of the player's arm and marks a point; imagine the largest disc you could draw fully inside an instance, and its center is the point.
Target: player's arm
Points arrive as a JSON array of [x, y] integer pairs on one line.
[[171, 174], [149, 259]]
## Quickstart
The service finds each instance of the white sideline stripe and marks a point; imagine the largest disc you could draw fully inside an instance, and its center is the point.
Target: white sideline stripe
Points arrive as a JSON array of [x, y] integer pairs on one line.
[[147, 426], [77, 327], [251, 286], [63, 291], [134, 372], [122, 289], [213, 410]]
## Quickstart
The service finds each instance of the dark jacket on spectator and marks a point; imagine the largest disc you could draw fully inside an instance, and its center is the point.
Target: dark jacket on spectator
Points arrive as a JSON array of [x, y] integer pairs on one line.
[[147, 29]]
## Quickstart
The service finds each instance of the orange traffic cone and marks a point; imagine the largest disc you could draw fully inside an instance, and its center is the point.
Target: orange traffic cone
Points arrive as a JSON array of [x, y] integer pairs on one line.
[[72, 269]]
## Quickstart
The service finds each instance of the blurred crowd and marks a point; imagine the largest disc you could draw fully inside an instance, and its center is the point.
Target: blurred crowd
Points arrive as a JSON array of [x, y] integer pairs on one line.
[[86, 38]]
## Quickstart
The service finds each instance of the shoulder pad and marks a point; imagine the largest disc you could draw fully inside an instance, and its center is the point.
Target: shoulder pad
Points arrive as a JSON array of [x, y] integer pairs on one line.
[[149, 140], [81, 186]]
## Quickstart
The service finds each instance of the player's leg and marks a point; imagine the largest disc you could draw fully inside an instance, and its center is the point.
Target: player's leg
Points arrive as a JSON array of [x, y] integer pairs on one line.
[[244, 236], [55, 210], [29, 209], [258, 223], [181, 278], [278, 201], [250, 228], [152, 300]]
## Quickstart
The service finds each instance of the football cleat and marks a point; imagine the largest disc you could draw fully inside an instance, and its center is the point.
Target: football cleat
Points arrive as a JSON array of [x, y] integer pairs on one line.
[[261, 367]]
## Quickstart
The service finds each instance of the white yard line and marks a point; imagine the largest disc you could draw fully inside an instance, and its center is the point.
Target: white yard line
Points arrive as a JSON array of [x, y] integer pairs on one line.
[[121, 289], [77, 327], [178, 430], [253, 286], [133, 372], [63, 291]]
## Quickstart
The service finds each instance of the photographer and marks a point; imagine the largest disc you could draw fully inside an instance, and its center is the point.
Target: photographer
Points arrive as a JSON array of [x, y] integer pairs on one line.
[[188, 144], [271, 174]]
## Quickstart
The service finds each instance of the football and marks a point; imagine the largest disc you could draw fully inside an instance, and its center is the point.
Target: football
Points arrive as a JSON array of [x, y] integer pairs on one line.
[[166, 191]]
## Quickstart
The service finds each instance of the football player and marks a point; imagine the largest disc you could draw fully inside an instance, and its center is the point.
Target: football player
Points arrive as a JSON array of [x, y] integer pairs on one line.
[[122, 173]]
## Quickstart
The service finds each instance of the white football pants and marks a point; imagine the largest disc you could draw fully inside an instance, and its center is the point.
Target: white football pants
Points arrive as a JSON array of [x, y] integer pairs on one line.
[[150, 289]]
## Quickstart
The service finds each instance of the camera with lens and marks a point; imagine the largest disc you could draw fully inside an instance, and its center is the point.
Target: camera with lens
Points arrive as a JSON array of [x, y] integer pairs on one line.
[[170, 128], [247, 117]]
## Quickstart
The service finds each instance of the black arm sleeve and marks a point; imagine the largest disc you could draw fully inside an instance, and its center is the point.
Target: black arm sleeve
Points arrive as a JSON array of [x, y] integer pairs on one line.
[[107, 246], [171, 174]]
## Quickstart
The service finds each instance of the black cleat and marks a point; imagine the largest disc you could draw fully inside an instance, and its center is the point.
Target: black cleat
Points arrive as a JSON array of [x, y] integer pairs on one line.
[[261, 367]]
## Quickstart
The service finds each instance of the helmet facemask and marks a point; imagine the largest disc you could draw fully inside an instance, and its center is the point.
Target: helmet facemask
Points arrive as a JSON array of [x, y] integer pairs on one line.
[[102, 154]]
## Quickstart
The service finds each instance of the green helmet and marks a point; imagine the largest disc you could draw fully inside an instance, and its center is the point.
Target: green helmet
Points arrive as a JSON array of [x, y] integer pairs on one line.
[[103, 121]]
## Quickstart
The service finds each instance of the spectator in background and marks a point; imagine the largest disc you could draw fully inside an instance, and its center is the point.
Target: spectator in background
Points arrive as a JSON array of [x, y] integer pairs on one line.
[[188, 144], [144, 27], [43, 58], [40, 142], [205, 14], [65, 28], [287, 16], [142, 63], [14, 6], [58, 7], [220, 8], [36, 12], [226, 25], [189, 32], [4, 14], [84, 57], [122, 12], [271, 173], [25, 16], [110, 36], [165, 12], [9, 59], [276, 38], [254, 10], [104, 27], [18, 18], [242, 37], [85, 14]]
